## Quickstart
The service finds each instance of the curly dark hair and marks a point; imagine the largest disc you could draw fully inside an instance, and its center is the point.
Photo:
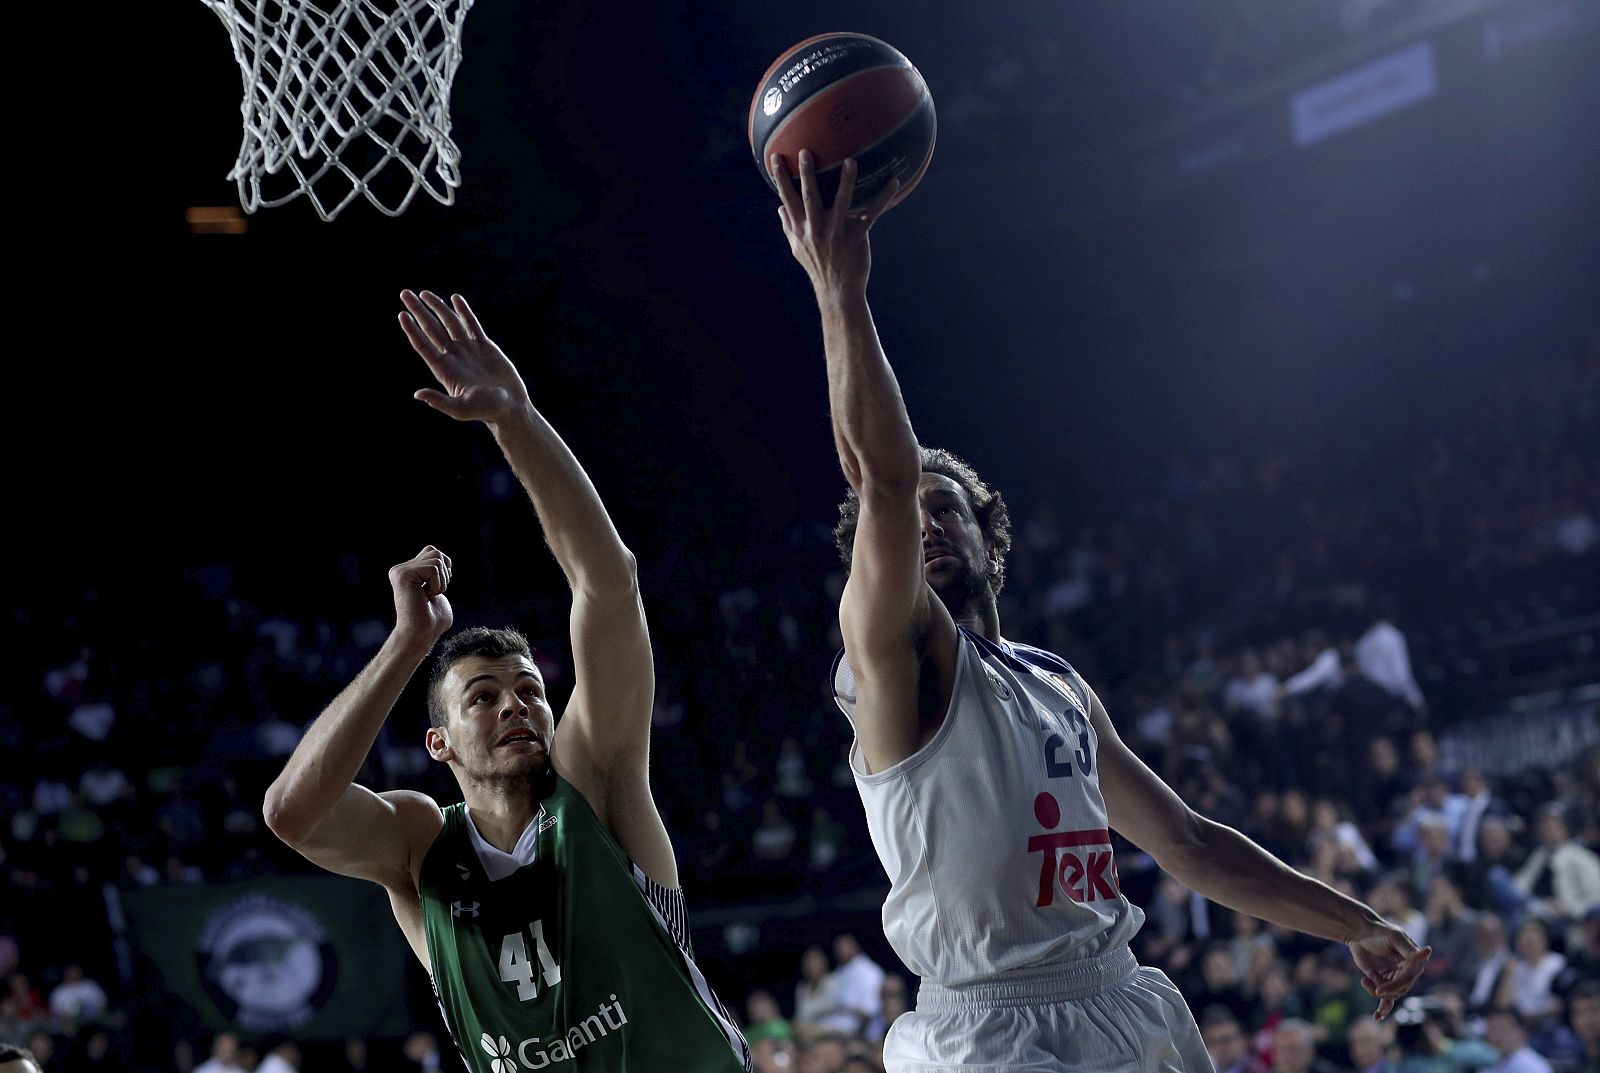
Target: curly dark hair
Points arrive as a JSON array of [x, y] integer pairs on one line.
[[477, 641], [988, 508]]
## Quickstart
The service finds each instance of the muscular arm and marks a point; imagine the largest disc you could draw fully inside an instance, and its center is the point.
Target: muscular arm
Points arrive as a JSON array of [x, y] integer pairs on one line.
[[314, 805], [890, 624], [1229, 868], [604, 743]]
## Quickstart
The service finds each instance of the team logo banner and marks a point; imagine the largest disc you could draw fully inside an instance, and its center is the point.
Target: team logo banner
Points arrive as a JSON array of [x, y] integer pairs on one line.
[[317, 956]]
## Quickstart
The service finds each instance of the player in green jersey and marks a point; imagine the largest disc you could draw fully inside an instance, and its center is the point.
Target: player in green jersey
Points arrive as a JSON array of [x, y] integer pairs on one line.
[[545, 906]]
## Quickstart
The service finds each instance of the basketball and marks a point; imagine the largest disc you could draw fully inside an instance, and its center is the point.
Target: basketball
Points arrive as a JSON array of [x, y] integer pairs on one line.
[[844, 95]]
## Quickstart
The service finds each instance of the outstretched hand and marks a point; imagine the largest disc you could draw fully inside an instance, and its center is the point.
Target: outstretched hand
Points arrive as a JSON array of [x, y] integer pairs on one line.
[[829, 241], [1390, 964], [479, 381]]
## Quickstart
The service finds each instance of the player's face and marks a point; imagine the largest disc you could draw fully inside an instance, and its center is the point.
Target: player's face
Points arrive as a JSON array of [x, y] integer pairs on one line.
[[955, 557], [500, 722]]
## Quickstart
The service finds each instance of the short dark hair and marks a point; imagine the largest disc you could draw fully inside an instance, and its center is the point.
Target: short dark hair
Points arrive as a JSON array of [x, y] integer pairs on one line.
[[988, 509], [485, 641], [1217, 1014]]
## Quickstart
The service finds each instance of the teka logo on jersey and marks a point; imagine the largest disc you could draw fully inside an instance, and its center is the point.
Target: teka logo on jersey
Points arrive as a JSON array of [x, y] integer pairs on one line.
[[1083, 874]]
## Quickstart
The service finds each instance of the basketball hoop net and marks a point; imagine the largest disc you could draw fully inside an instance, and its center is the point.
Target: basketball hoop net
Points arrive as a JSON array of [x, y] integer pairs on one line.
[[336, 94]]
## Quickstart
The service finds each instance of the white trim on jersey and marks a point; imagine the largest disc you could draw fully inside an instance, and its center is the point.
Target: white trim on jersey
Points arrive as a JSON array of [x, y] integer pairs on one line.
[[667, 904]]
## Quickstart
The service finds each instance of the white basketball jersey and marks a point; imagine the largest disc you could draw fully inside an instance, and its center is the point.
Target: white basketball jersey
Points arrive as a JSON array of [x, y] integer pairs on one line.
[[994, 834]]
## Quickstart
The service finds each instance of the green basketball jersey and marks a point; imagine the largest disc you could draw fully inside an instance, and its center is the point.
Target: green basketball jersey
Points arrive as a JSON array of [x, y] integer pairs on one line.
[[574, 961]]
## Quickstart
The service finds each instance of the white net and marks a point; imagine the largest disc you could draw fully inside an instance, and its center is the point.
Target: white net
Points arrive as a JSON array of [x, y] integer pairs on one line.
[[343, 100]]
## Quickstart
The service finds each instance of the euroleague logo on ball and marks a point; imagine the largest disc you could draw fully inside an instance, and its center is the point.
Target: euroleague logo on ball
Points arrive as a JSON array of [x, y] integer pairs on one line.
[[772, 101]]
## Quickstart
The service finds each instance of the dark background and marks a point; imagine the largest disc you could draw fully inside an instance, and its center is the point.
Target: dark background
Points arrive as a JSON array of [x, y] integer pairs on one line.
[[1066, 305], [1053, 316]]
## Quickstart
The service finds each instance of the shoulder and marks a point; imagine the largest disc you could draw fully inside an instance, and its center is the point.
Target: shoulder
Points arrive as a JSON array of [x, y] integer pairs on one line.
[[1040, 658], [421, 819], [415, 807]]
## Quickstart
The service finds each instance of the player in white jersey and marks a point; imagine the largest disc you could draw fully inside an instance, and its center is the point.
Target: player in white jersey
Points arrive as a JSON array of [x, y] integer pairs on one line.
[[991, 774]]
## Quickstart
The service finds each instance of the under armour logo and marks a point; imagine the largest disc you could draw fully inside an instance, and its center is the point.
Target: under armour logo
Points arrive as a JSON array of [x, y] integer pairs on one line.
[[468, 908]]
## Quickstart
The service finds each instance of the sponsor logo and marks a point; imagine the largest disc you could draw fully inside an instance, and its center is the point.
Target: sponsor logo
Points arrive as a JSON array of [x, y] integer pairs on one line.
[[771, 101], [266, 963], [998, 684], [464, 871], [499, 1051], [1072, 862], [537, 1053], [459, 909]]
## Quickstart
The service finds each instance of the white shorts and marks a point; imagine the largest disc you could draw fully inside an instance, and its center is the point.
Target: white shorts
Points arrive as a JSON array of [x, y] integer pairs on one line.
[[1100, 1015]]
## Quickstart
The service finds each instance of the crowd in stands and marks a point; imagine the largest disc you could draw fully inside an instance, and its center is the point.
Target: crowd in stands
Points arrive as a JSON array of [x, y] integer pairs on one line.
[[1286, 650]]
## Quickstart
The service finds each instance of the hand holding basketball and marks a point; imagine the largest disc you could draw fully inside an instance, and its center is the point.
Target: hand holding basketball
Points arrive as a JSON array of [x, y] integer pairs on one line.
[[421, 611], [479, 381], [830, 242]]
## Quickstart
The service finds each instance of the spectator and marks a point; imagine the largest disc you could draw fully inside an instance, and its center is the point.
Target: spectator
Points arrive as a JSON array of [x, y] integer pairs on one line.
[[1330, 824], [1452, 932], [1390, 899], [793, 778], [815, 996], [1253, 689], [1339, 999], [1294, 1049], [1480, 804], [1432, 855], [422, 1051], [1370, 1045], [859, 981], [1492, 955], [30, 1006], [827, 839], [1226, 1042], [1384, 657], [1487, 881], [774, 839], [1221, 982], [285, 1057], [771, 1055], [1561, 878], [77, 998], [1277, 1003], [1527, 986], [825, 1054], [1507, 1034], [893, 1001], [1583, 1016], [763, 1019], [224, 1055]]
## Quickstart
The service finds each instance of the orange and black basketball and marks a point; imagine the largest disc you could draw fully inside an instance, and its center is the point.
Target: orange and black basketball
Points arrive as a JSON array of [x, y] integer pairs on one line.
[[845, 95]]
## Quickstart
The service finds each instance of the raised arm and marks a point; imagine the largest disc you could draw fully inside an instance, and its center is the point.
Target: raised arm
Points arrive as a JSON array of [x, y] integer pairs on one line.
[[314, 805], [897, 637], [1225, 866], [603, 746]]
